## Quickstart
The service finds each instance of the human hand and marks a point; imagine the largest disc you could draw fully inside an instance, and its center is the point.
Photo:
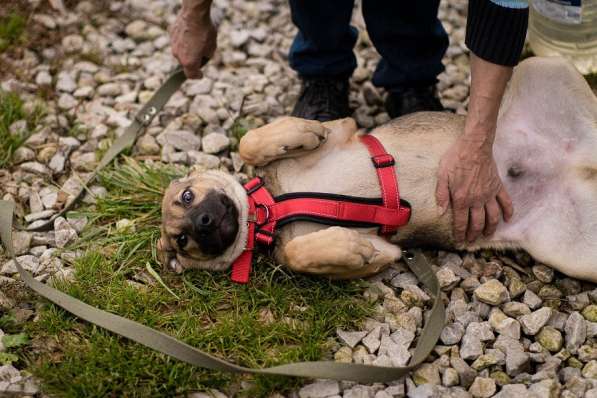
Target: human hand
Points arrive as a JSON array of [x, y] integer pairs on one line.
[[468, 180], [193, 37]]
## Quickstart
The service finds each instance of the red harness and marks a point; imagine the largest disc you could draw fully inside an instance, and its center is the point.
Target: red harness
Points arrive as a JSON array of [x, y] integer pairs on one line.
[[267, 213]]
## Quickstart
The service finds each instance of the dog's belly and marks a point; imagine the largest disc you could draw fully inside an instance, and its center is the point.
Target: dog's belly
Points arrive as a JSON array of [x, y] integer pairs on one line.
[[417, 142], [551, 177]]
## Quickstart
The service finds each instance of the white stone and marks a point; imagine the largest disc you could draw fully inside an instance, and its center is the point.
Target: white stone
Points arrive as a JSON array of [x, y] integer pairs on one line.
[[215, 142]]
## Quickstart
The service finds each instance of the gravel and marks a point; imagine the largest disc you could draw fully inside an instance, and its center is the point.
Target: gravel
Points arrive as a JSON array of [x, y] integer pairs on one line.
[[508, 332]]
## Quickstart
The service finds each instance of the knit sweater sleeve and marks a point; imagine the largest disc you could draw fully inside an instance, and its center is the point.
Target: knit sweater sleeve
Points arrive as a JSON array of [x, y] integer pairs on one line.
[[496, 29]]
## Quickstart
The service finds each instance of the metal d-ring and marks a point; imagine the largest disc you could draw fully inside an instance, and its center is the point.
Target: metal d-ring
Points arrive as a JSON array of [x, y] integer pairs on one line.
[[264, 207]]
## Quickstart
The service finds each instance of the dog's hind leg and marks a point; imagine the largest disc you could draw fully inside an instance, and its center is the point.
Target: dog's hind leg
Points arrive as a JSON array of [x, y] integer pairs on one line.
[[340, 253], [546, 151], [291, 137]]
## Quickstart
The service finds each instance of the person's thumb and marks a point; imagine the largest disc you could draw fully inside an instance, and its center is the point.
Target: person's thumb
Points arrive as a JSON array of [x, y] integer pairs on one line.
[[442, 193]]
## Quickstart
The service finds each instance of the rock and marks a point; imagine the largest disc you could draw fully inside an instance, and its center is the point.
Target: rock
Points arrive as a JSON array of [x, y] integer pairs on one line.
[[531, 299], [64, 233], [84, 92], [35, 168], [550, 338], [343, 355], [512, 390], [21, 241], [180, 139], [452, 333], [516, 309], [471, 347], [484, 361], [587, 353], [447, 278], [72, 43], [65, 82], [481, 330], [23, 154], [575, 331], [543, 273], [66, 101], [533, 322], [147, 145], [198, 87], [57, 163], [547, 388], [203, 160], [483, 387], [466, 374], [516, 287], [239, 37], [509, 327], [28, 262], [590, 313], [215, 143], [320, 389], [426, 374], [109, 90], [372, 340], [517, 361], [590, 370], [450, 377], [492, 292], [43, 78], [137, 30], [351, 339]]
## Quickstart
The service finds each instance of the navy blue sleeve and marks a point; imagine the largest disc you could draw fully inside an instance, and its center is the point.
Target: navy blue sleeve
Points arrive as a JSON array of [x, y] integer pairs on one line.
[[496, 29]]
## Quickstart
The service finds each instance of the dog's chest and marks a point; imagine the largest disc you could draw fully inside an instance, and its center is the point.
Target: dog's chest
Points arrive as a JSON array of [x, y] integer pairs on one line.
[[346, 171]]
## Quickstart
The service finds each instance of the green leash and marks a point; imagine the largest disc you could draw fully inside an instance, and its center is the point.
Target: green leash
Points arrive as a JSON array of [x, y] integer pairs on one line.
[[169, 345]]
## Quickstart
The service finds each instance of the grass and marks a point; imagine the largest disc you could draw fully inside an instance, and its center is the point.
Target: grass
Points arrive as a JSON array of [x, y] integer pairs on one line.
[[12, 29], [277, 318], [12, 110]]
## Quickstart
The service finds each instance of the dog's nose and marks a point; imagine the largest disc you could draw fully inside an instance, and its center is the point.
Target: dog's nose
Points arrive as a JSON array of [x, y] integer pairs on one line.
[[205, 220]]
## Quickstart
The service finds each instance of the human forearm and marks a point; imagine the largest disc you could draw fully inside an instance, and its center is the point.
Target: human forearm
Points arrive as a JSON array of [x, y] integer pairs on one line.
[[488, 83], [199, 9]]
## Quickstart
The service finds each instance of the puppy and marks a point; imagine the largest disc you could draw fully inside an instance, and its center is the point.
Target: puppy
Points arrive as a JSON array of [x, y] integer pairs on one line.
[[545, 149]]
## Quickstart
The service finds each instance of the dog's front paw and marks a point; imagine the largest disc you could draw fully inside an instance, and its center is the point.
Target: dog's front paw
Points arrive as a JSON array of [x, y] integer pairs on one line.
[[282, 138], [175, 266]]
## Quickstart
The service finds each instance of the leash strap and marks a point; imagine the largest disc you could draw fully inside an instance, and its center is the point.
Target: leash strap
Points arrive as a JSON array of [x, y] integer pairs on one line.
[[126, 140], [170, 346]]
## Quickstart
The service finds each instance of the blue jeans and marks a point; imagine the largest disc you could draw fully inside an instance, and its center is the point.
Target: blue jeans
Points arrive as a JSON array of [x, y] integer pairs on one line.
[[407, 33]]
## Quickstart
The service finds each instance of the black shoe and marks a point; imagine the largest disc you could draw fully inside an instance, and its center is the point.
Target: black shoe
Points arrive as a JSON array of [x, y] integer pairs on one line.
[[323, 99], [414, 99]]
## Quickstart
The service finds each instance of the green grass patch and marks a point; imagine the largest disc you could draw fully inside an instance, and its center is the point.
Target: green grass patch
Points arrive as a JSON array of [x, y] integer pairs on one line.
[[278, 317], [12, 110], [12, 29]]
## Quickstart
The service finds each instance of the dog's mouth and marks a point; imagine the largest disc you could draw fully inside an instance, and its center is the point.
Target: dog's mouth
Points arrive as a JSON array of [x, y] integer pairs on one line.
[[214, 223]]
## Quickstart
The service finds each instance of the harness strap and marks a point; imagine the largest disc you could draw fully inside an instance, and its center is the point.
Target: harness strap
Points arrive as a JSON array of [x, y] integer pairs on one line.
[[388, 183]]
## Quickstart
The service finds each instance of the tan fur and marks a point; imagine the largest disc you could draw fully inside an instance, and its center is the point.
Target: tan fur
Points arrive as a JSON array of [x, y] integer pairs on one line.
[[535, 124]]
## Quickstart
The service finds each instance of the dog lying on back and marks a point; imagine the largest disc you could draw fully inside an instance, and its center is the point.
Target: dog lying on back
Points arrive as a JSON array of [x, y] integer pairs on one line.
[[545, 149]]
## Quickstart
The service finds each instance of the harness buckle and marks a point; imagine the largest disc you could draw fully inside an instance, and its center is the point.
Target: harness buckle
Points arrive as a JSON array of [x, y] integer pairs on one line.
[[255, 187], [384, 160]]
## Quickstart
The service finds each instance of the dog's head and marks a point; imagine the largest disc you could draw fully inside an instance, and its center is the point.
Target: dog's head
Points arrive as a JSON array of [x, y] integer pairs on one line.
[[203, 222]]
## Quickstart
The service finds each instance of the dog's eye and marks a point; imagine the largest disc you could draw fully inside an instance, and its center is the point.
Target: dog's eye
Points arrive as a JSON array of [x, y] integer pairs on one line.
[[187, 197], [182, 241]]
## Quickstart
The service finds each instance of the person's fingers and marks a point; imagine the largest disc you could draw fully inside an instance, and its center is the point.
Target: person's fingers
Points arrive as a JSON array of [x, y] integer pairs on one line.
[[476, 223], [461, 219], [442, 191], [505, 202], [192, 72], [492, 217]]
